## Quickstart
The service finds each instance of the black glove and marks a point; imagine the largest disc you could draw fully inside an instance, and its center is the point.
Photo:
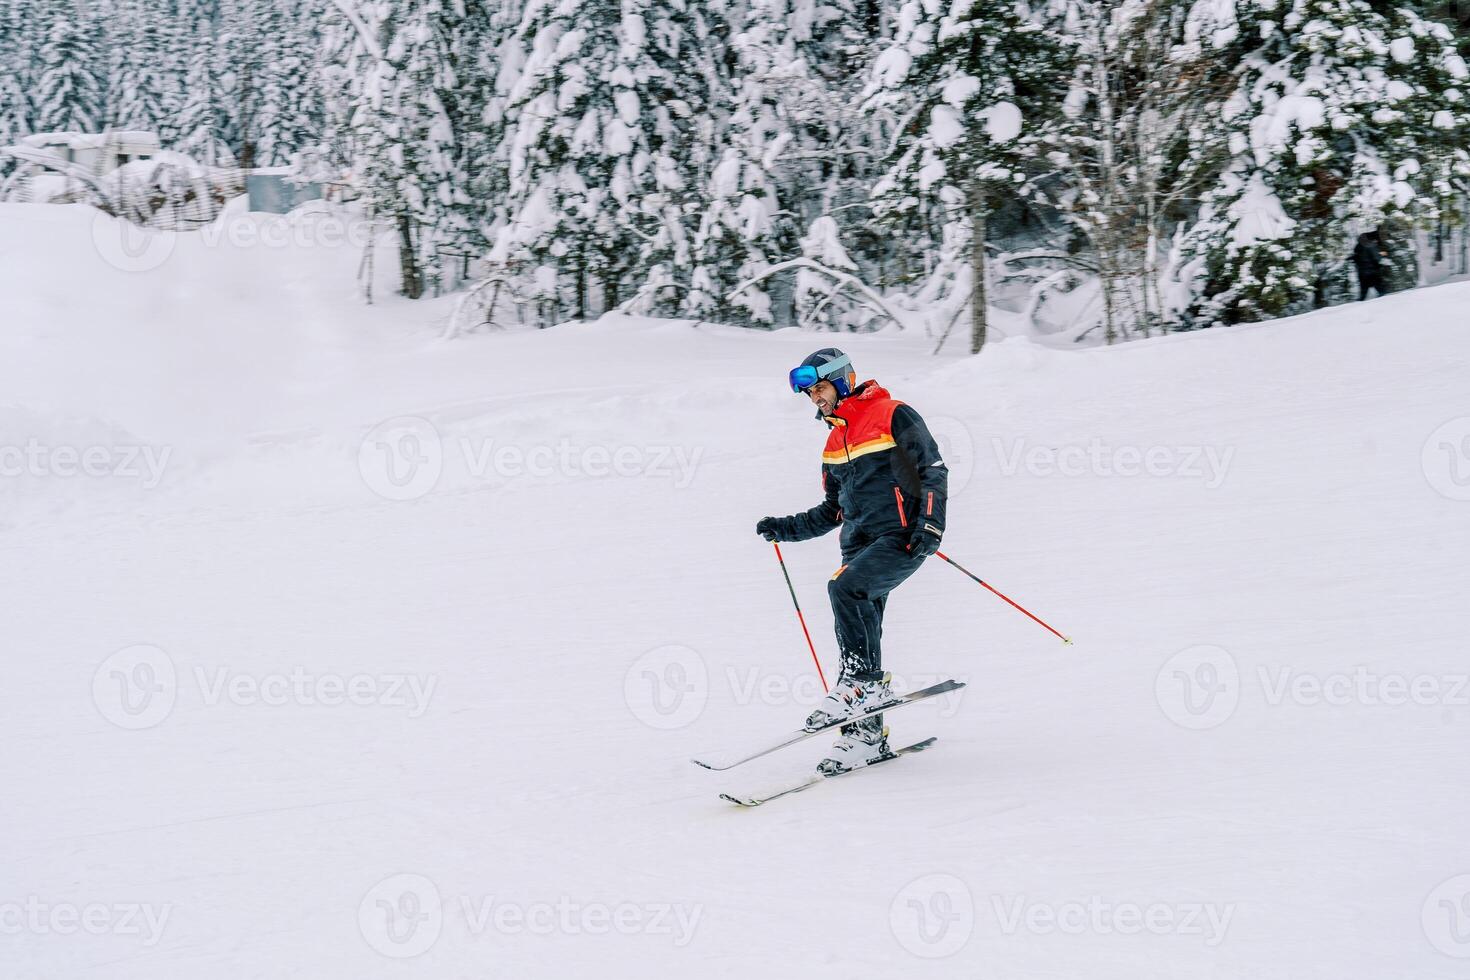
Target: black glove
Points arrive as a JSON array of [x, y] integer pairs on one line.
[[766, 528], [924, 541]]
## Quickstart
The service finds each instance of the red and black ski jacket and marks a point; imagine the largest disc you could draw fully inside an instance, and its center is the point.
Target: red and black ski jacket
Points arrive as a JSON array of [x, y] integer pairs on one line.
[[881, 473]]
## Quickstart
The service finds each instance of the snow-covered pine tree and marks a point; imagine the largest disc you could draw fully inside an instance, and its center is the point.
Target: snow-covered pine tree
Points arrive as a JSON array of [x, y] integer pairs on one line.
[[973, 85], [432, 182], [289, 119], [598, 166], [467, 220], [737, 237], [1139, 139], [817, 297], [136, 86], [806, 142], [240, 37], [202, 125], [397, 136], [1346, 115], [738, 234], [18, 58], [174, 21], [68, 91], [492, 58]]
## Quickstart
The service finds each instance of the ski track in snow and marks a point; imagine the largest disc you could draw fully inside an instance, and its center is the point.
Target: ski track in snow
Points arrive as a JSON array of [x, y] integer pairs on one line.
[[585, 635]]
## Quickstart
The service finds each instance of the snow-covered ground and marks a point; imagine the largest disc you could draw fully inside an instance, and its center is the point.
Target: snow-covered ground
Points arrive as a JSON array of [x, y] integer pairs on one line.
[[332, 650]]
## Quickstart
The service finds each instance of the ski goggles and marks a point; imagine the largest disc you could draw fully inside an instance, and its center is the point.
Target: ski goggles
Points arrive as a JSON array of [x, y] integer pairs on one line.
[[806, 375]]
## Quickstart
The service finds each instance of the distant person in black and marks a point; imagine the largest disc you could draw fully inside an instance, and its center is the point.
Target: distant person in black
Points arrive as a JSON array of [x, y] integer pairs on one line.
[[1369, 261]]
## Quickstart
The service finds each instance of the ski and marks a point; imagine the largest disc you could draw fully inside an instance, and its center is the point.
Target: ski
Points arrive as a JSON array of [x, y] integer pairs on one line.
[[814, 779], [943, 687]]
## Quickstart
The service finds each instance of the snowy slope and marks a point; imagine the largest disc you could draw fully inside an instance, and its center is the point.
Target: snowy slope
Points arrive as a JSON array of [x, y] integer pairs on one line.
[[520, 570]]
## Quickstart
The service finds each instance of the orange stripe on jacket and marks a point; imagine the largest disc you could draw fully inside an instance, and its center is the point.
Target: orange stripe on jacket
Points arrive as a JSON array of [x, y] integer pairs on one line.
[[844, 453]]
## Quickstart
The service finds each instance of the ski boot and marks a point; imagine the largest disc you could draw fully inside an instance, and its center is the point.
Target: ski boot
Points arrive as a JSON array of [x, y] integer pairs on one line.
[[851, 696], [860, 745]]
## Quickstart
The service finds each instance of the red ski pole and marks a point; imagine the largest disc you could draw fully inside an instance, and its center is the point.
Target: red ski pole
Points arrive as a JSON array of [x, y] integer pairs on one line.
[[810, 645], [1064, 639]]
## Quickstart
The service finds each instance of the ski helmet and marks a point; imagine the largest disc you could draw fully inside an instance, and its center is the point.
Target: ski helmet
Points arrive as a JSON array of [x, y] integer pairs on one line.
[[827, 364]]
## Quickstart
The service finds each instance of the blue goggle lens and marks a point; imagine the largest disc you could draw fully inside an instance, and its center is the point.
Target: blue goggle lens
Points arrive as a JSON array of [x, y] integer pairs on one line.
[[803, 378]]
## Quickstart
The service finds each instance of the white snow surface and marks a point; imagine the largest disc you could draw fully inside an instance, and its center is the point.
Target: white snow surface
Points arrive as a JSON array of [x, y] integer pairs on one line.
[[1176, 795]]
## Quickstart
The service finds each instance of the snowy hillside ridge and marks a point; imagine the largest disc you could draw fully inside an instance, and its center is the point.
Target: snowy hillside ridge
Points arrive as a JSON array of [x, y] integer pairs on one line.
[[393, 664]]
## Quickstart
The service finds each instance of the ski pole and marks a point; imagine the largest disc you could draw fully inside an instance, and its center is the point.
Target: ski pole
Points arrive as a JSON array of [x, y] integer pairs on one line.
[[810, 645], [1065, 639]]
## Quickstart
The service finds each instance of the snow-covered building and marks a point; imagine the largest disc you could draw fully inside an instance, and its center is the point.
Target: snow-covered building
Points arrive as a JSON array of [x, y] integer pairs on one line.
[[57, 167], [276, 190], [99, 153]]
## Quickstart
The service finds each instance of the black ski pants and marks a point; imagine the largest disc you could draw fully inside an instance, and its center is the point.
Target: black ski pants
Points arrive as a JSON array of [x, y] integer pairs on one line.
[[859, 591]]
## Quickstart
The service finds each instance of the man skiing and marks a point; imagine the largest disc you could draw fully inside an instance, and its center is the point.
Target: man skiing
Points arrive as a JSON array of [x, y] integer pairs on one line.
[[885, 484]]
